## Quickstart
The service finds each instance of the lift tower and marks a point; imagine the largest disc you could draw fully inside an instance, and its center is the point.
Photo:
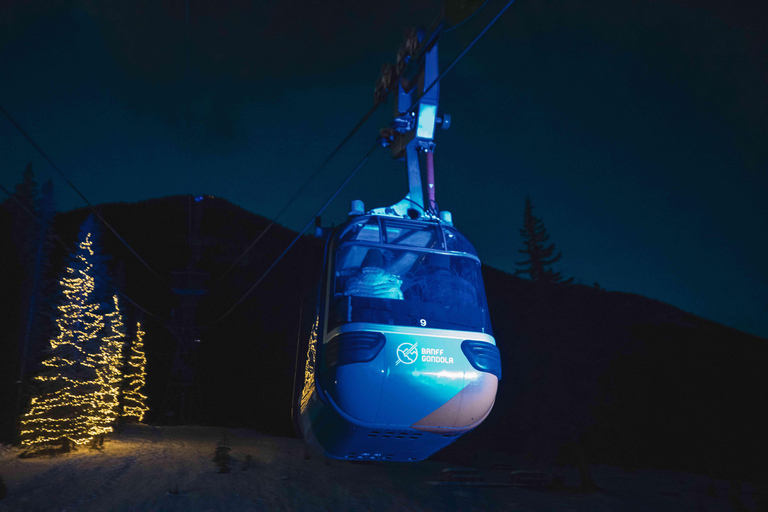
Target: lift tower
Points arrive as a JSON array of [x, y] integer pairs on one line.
[[181, 402]]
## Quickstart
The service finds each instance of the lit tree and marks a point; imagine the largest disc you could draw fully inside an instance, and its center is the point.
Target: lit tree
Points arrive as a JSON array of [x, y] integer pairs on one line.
[[108, 362], [66, 410], [539, 257], [134, 402]]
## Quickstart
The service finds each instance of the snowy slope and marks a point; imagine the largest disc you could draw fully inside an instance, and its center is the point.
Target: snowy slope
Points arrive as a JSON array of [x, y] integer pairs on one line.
[[171, 469]]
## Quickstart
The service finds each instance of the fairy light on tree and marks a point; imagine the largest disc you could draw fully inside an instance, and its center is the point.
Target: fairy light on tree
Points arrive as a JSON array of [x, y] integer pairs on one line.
[[134, 402], [108, 362], [67, 409]]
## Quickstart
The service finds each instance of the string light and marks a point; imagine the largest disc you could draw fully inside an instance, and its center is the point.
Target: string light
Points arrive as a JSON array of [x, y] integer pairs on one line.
[[134, 402], [82, 375], [309, 368], [108, 364]]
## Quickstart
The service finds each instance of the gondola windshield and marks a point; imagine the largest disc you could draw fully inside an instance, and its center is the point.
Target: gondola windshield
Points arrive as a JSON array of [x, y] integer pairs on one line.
[[409, 274]]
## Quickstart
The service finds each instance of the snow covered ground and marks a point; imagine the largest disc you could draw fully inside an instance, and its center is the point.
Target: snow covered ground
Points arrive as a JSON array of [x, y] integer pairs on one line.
[[148, 468]]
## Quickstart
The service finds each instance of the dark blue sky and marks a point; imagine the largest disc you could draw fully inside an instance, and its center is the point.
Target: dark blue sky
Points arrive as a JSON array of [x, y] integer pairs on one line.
[[639, 128]]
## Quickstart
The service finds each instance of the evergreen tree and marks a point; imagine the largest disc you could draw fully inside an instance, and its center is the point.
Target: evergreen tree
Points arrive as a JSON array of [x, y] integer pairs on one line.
[[539, 257], [221, 455], [31, 235], [134, 402], [40, 283], [24, 234], [23, 207], [19, 229], [66, 409], [108, 362]]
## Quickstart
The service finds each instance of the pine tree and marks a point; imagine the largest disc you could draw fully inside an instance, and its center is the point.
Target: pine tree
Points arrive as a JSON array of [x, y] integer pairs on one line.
[[134, 402], [221, 455], [539, 257], [23, 207], [108, 362], [66, 409], [30, 233], [40, 284]]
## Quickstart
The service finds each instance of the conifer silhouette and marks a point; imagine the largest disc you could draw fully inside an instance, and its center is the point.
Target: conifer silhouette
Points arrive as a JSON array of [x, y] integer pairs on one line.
[[539, 256]]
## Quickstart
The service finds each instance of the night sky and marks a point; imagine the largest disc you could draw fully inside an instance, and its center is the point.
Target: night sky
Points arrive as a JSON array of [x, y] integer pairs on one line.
[[638, 128]]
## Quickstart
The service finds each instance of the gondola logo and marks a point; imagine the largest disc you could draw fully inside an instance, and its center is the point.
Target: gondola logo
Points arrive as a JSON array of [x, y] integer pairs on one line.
[[407, 353]]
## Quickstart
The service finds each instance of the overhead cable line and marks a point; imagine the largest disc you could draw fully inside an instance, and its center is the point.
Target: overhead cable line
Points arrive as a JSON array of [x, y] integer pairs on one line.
[[333, 153], [58, 239], [300, 233], [303, 187], [457, 59], [93, 209], [31, 214]]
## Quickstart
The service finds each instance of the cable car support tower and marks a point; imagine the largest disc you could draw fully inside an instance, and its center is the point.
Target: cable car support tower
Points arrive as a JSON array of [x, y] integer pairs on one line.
[[181, 402]]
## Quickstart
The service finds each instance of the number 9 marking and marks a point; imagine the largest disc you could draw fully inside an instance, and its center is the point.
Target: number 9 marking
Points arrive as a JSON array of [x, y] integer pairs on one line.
[[423, 322]]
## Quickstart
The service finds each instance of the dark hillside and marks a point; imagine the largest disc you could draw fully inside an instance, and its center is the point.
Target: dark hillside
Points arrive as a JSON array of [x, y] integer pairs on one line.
[[616, 376], [631, 380], [245, 361]]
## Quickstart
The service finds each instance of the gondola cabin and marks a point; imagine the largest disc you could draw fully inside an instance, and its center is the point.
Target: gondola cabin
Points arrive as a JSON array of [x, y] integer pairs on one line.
[[400, 358], [400, 355]]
